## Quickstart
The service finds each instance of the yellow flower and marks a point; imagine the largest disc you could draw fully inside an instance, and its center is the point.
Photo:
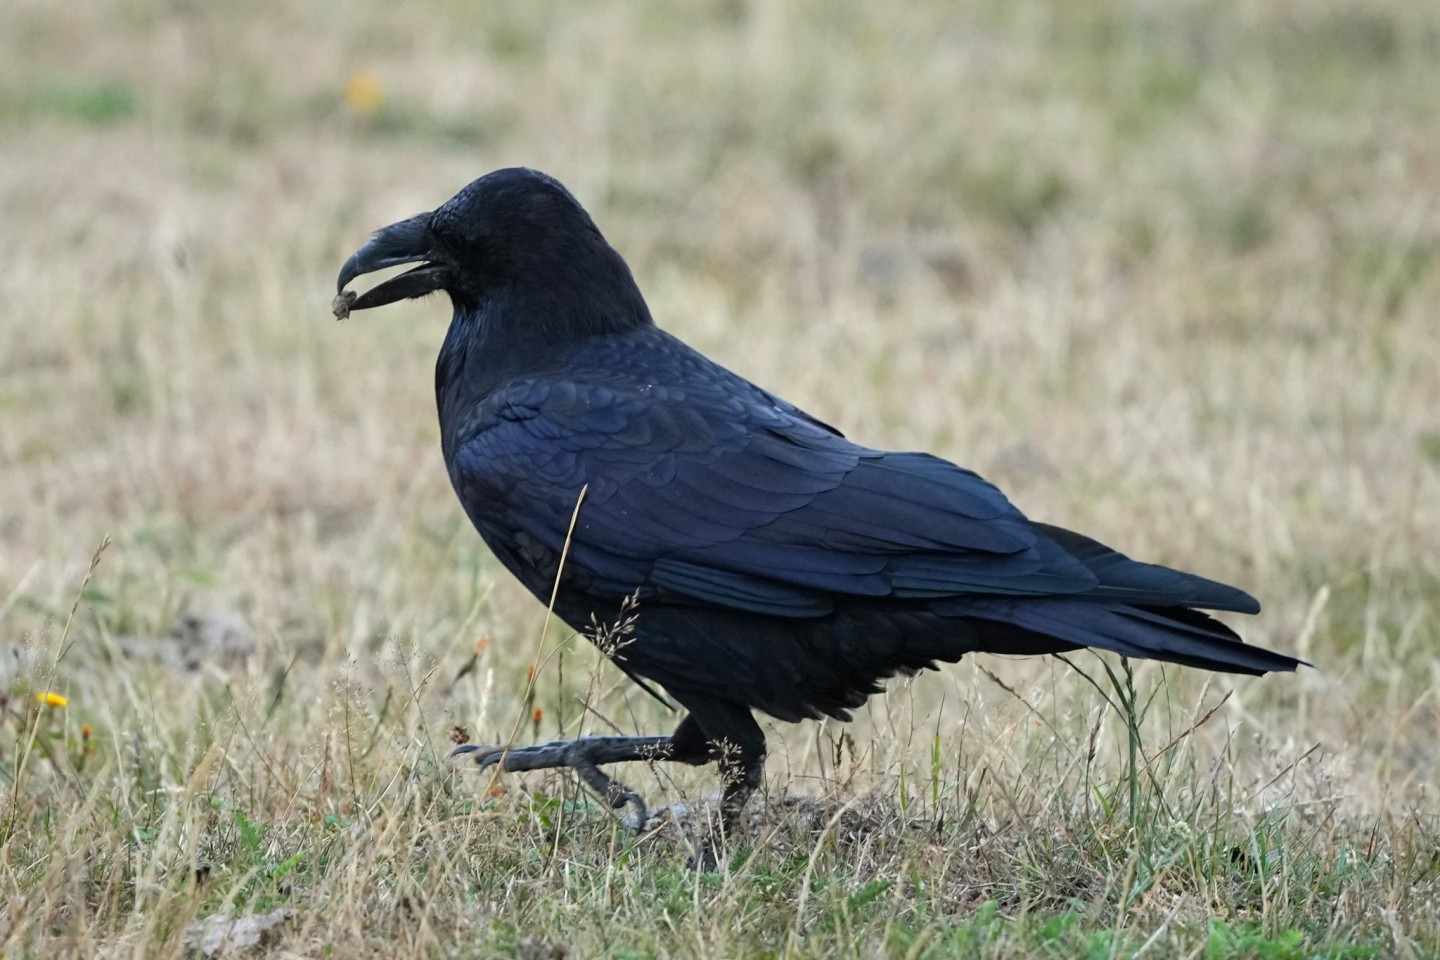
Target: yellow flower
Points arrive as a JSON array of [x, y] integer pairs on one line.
[[364, 93], [51, 699]]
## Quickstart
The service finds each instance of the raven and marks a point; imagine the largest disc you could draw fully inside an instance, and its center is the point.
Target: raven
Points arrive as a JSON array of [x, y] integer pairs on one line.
[[773, 564]]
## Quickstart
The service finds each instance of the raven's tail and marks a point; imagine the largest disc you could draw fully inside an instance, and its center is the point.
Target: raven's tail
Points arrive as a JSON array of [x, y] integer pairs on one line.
[[1170, 633]]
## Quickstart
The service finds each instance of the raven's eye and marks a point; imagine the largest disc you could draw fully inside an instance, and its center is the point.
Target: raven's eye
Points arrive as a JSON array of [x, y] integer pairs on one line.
[[442, 230]]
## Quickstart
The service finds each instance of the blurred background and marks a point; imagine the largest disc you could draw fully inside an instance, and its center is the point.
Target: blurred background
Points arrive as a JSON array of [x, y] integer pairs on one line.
[[1166, 272]]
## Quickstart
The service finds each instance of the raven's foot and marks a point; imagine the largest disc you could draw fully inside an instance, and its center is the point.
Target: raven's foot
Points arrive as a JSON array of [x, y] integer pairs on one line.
[[715, 835], [584, 756], [738, 750], [704, 859], [742, 771]]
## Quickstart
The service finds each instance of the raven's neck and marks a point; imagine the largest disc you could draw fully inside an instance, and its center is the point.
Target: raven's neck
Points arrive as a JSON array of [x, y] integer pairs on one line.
[[522, 329]]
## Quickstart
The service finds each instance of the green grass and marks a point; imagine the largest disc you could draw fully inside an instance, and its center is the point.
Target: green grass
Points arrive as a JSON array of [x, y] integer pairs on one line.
[[1165, 272], [96, 102]]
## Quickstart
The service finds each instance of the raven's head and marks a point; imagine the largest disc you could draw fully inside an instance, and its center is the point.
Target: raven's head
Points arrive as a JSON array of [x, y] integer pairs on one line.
[[511, 229]]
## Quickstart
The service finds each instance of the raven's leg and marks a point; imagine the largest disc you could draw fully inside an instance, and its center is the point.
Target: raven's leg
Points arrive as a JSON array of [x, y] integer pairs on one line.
[[584, 756], [737, 745]]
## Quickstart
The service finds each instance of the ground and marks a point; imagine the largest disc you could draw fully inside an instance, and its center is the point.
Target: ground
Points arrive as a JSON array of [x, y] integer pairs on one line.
[[1166, 272]]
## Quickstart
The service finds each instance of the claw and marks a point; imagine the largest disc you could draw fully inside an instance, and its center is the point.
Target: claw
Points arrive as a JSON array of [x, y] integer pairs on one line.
[[486, 756], [463, 749], [641, 813], [704, 859]]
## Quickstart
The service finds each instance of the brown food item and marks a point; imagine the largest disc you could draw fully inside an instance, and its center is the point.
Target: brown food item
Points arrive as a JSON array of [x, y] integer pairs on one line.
[[340, 306]]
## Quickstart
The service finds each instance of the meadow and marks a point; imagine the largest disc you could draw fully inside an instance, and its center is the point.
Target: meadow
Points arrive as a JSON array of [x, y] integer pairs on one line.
[[1167, 273]]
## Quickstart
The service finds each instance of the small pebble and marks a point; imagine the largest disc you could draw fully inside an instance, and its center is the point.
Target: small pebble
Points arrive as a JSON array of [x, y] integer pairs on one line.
[[340, 306]]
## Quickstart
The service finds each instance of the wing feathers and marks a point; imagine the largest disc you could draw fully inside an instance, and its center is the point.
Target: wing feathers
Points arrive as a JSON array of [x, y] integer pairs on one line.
[[752, 505]]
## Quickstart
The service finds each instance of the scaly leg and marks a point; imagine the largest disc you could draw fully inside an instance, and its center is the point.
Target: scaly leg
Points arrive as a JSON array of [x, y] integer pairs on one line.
[[585, 756]]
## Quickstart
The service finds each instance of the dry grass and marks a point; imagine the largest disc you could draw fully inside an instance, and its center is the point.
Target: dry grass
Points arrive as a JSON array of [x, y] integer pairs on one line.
[[1168, 273]]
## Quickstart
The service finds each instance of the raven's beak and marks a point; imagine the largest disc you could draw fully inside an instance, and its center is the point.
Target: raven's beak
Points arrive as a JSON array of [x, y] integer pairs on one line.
[[408, 241]]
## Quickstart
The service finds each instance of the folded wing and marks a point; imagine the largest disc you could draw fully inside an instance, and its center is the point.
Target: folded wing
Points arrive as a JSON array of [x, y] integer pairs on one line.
[[739, 501]]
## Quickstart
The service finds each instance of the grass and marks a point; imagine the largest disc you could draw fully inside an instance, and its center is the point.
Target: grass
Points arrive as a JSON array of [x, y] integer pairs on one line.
[[1165, 272]]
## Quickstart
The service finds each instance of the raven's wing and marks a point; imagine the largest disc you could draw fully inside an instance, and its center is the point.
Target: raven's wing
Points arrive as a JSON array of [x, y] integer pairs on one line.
[[716, 492]]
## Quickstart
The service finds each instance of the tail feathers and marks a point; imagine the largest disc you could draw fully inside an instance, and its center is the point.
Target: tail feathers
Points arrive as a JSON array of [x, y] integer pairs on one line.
[[1172, 634], [1130, 581]]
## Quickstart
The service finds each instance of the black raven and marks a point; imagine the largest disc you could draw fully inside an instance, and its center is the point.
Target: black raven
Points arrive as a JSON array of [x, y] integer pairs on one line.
[[778, 566]]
